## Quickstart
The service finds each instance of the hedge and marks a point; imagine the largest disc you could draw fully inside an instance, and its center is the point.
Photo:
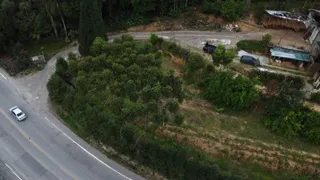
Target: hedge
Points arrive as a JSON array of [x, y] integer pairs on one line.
[[252, 46], [265, 77]]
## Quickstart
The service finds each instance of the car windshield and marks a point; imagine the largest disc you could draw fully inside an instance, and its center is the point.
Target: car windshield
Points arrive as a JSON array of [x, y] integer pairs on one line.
[[20, 114]]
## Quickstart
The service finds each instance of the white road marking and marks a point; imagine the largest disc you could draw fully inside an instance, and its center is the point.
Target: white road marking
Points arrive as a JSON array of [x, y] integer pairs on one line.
[[34, 144], [164, 37], [3, 76], [87, 150], [13, 171]]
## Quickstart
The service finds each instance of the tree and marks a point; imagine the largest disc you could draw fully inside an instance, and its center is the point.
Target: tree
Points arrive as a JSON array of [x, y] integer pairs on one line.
[[154, 39], [47, 4], [62, 70], [266, 39], [223, 89], [221, 56], [195, 62], [57, 88], [91, 25], [229, 10], [8, 24]]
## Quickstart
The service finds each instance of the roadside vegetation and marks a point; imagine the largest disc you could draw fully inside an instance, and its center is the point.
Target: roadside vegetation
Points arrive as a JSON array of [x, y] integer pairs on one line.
[[184, 122], [315, 97], [255, 45], [29, 23], [121, 101]]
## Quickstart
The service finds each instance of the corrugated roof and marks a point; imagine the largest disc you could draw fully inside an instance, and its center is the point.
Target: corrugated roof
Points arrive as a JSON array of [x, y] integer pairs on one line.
[[290, 54], [295, 16]]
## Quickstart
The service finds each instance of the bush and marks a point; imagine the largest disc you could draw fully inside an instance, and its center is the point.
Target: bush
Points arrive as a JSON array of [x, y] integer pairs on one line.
[[266, 39], [195, 62], [154, 39], [285, 113], [178, 120], [224, 90], [311, 127], [221, 56], [265, 77], [57, 88], [315, 97], [229, 10], [212, 7], [252, 46]]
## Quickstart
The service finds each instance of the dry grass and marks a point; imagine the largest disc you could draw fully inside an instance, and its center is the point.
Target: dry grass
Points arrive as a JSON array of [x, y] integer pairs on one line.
[[219, 142]]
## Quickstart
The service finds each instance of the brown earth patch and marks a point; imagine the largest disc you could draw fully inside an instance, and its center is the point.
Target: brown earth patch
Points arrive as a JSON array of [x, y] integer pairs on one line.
[[229, 145]]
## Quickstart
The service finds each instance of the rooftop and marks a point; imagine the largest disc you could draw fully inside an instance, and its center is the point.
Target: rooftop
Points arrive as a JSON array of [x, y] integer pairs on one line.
[[295, 16], [293, 54]]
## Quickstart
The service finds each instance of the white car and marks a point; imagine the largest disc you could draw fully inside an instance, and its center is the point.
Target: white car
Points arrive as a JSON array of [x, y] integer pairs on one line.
[[17, 113]]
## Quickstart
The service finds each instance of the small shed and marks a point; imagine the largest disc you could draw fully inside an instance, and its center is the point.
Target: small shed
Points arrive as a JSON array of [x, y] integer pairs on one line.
[[291, 55], [284, 19], [38, 59]]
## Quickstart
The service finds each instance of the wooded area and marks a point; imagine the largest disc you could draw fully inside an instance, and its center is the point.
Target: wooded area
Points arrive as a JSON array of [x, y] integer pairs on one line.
[[117, 94]]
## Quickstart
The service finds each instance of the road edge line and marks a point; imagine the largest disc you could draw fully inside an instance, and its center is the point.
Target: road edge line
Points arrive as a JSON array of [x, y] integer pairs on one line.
[[88, 151], [13, 171], [3, 76]]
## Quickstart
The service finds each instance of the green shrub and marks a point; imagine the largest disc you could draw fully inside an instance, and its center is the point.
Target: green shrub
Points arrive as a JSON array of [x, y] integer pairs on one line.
[[229, 10], [224, 90], [315, 97], [286, 114], [221, 56], [178, 120], [252, 46], [57, 88], [154, 39], [265, 77], [266, 39], [195, 62], [311, 127], [212, 7]]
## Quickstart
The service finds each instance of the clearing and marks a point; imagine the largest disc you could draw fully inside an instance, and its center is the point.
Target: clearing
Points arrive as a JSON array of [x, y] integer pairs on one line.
[[240, 139]]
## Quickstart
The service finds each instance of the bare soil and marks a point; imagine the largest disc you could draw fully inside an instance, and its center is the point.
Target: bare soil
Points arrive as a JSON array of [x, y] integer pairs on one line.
[[270, 156]]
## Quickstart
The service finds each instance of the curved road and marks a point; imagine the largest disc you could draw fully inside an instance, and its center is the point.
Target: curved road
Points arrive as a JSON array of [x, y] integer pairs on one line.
[[42, 147]]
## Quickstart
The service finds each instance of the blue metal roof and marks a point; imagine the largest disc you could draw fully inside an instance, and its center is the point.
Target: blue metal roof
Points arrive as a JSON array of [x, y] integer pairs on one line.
[[290, 54]]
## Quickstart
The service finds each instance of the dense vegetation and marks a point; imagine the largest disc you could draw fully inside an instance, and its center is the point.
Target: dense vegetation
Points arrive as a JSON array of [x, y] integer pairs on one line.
[[91, 25], [252, 46], [195, 63], [226, 90], [107, 95], [230, 10], [284, 110], [24, 22], [265, 77], [315, 97], [285, 113], [221, 56]]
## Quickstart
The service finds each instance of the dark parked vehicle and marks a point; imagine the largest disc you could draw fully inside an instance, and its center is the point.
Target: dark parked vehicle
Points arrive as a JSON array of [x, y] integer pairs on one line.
[[209, 48], [249, 60]]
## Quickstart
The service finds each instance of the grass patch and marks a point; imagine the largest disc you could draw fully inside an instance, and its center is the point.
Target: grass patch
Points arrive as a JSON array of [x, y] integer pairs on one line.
[[32, 70], [50, 47], [252, 46], [247, 125]]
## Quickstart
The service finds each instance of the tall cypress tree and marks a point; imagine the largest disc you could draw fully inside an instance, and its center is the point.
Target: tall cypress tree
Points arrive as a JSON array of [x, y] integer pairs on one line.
[[91, 24]]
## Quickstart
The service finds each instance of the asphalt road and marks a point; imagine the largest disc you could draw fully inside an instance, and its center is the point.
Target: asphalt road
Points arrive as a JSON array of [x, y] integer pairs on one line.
[[39, 149]]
